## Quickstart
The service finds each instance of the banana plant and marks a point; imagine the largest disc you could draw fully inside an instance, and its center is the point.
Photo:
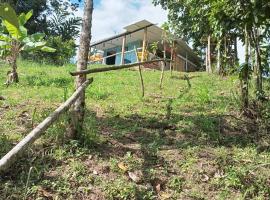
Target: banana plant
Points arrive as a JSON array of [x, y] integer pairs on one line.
[[14, 39]]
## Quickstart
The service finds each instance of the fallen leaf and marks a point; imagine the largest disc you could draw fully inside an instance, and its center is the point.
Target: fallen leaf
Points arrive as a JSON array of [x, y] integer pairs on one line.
[[122, 166], [204, 178], [158, 187], [165, 196], [135, 177]]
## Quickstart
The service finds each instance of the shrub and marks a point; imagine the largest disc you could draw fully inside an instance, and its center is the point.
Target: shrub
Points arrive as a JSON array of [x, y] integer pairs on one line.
[[65, 50]]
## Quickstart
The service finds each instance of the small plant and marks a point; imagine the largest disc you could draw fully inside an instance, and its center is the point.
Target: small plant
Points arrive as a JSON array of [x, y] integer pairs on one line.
[[120, 189], [14, 39], [154, 47], [176, 183]]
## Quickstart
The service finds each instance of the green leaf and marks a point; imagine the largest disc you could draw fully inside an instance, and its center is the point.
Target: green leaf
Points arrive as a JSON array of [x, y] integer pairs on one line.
[[29, 15], [37, 36], [4, 37], [23, 31], [12, 29], [8, 14], [23, 18], [48, 49]]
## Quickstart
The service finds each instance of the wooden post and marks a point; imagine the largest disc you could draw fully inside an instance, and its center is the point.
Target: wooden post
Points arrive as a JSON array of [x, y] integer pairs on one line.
[[13, 154], [144, 44], [162, 74], [186, 62], [123, 51], [142, 84], [163, 64], [171, 63]]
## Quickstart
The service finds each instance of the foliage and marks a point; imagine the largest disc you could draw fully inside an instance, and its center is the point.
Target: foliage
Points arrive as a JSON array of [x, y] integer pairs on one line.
[[197, 147], [14, 34], [62, 25], [65, 50], [154, 47], [42, 9], [224, 21], [14, 39]]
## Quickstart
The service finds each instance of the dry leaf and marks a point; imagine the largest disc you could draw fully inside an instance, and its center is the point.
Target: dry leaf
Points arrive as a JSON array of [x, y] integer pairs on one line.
[[135, 177], [122, 166], [165, 196], [158, 187], [204, 178]]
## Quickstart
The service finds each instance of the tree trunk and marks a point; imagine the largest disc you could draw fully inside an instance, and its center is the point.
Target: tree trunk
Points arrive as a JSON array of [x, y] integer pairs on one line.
[[218, 59], [258, 63], [235, 51], [12, 76], [206, 59], [14, 71], [244, 79], [78, 109], [209, 55]]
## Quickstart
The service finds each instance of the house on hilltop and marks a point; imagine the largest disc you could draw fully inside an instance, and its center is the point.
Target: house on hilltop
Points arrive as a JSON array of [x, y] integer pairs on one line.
[[142, 41]]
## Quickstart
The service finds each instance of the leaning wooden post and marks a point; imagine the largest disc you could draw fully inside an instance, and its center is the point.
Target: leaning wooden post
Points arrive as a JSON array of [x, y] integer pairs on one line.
[[142, 83], [37, 132], [140, 71], [144, 44], [123, 50], [78, 110]]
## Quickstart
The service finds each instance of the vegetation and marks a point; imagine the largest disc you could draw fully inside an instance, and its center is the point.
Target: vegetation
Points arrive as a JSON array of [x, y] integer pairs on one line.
[[223, 22], [61, 29], [15, 39], [185, 142], [193, 136]]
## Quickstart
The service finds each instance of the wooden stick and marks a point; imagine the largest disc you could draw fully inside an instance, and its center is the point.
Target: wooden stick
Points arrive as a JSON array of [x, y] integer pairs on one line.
[[162, 74], [163, 64], [123, 51], [105, 69], [13, 154], [142, 84], [144, 44]]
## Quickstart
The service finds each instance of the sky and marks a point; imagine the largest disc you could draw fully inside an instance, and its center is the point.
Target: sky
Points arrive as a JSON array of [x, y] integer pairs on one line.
[[110, 16]]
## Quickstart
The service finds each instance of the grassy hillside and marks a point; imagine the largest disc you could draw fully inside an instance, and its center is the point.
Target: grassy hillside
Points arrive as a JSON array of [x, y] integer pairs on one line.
[[176, 143]]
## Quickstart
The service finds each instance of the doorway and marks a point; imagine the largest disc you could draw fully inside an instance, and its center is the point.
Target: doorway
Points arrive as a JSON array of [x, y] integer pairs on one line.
[[111, 60]]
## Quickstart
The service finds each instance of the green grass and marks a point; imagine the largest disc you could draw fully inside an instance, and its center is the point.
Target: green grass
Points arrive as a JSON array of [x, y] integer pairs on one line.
[[180, 139]]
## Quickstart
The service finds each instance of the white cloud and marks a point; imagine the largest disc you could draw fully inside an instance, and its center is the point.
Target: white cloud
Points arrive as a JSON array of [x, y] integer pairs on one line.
[[110, 16]]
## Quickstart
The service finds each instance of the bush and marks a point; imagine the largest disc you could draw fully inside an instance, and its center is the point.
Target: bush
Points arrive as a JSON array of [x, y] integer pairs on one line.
[[65, 50]]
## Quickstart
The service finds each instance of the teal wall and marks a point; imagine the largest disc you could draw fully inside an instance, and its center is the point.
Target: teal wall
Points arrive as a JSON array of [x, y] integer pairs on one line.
[[130, 57]]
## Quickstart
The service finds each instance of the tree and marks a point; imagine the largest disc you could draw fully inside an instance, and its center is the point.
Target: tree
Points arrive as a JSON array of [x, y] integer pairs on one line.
[[41, 10], [225, 21], [78, 109], [14, 38], [62, 25]]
